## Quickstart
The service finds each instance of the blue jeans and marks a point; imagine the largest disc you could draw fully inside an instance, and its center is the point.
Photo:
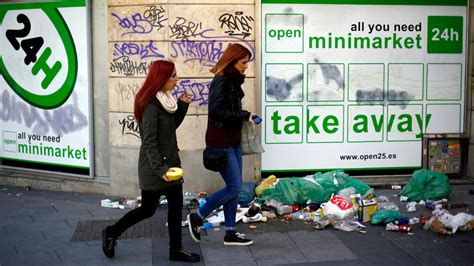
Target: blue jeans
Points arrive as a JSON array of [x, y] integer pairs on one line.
[[232, 175]]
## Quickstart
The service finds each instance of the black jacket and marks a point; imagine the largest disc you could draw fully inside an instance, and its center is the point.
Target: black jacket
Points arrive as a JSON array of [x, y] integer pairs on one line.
[[159, 147], [225, 103]]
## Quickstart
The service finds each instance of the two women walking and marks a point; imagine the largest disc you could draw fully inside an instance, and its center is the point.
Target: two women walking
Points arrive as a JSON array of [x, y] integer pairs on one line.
[[159, 115]]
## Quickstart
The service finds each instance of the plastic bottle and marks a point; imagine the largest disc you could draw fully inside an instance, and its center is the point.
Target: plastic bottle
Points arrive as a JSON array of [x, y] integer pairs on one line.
[[202, 202], [404, 228], [284, 209], [273, 203], [423, 219], [398, 228], [207, 225], [300, 215]]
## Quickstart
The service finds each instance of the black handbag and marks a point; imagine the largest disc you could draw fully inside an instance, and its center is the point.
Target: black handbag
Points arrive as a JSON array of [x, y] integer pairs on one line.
[[214, 159]]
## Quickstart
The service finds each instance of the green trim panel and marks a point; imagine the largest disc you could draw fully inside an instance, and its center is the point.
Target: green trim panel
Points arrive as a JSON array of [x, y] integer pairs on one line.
[[373, 2], [44, 4], [47, 163], [345, 169]]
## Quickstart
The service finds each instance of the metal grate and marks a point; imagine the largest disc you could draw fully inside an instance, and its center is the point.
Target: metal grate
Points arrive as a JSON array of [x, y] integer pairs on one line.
[[148, 228]]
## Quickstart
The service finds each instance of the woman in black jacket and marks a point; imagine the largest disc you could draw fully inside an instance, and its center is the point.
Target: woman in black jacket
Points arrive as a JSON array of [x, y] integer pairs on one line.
[[158, 116], [223, 133]]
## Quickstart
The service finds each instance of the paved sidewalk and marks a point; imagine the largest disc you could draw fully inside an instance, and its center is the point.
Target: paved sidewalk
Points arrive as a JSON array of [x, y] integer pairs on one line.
[[37, 228]]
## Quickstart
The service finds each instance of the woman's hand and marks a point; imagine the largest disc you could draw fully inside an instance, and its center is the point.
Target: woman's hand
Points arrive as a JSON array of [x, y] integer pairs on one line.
[[186, 97], [164, 177], [251, 120]]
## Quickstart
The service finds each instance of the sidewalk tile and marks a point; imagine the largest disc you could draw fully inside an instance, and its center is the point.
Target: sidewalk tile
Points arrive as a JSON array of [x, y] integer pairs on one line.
[[160, 251], [275, 248], [96, 262], [80, 254], [37, 258], [7, 250], [60, 215], [47, 245], [319, 246], [18, 238], [17, 219], [59, 234], [215, 252], [34, 227]]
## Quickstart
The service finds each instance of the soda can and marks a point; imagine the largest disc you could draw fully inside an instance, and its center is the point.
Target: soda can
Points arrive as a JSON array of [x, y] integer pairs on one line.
[[404, 228], [423, 219]]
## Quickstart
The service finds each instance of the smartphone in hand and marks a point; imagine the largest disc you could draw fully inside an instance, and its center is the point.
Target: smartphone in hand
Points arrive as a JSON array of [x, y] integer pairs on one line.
[[256, 119]]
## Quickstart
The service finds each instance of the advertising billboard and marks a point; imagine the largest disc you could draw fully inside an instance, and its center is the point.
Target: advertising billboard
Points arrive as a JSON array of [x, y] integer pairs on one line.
[[355, 84], [45, 95]]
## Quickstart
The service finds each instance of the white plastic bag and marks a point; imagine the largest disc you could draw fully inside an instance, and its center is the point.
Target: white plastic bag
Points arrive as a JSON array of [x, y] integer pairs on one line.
[[455, 221], [338, 207], [250, 143]]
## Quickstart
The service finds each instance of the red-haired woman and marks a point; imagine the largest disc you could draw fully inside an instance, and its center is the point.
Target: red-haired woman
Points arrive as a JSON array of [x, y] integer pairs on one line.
[[158, 116], [224, 126]]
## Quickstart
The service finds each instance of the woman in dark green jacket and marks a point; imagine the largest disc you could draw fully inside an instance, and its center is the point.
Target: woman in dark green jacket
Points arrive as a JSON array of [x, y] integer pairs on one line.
[[158, 116]]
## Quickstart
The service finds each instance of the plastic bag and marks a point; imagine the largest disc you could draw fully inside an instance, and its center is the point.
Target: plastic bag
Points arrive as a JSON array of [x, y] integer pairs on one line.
[[387, 206], [455, 221], [337, 180], [339, 207], [296, 190], [317, 188], [385, 216], [348, 225], [411, 206], [346, 193], [250, 143], [426, 184], [247, 193], [266, 183]]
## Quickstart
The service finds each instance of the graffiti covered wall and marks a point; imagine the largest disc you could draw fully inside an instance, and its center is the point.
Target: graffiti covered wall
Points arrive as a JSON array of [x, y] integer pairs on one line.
[[193, 34]]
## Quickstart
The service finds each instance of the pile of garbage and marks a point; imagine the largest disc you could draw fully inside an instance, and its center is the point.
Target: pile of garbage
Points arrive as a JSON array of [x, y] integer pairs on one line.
[[338, 200]]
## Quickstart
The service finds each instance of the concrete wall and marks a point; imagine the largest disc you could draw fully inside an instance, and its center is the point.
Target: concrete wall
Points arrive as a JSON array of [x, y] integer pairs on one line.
[[193, 34], [126, 36]]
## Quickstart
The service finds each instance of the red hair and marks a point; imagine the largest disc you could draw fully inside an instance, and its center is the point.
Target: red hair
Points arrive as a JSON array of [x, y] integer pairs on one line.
[[159, 72], [232, 54]]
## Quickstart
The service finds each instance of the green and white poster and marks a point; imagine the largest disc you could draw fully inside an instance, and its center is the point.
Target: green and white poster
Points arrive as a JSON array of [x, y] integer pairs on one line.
[[45, 86], [355, 84]]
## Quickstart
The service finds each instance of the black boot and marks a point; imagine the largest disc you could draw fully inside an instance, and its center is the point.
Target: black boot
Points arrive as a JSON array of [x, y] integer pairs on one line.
[[108, 243], [183, 255]]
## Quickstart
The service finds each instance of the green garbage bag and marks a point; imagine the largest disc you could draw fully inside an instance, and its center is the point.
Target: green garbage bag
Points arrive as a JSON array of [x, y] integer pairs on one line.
[[296, 190], [426, 184], [317, 188], [385, 216], [336, 180]]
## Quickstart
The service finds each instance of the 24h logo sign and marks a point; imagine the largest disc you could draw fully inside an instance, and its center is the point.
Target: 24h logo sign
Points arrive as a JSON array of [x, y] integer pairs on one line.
[[38, 58]]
